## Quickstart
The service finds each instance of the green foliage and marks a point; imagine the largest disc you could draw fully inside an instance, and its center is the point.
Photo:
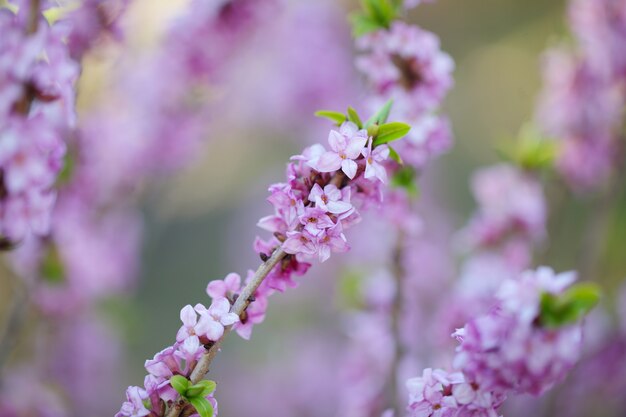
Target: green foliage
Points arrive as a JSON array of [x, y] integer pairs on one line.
[[394, 155], [68, 169], [376, 15], [531, 150], [353, 116], [381, 116], [201, 389], [180, 384], [334, 116], [377, 126], [195, 394], [569, 307], [52, 268], [406, 177], [390, 132], [202, 406]]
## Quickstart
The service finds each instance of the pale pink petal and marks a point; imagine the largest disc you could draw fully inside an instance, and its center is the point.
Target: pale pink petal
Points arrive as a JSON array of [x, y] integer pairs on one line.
[[329, 162], [188, 316], [354, 148], [349, 167], [337, 141]]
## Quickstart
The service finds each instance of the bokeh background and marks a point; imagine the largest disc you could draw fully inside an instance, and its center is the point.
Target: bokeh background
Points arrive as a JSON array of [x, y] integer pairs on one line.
[[199, 224]]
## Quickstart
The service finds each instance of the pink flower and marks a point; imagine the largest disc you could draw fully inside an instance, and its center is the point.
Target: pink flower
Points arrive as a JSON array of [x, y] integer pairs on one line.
[[223, 288], [406, 63], [300, 243], [134, 406], [346, 146], [330, 199], [506, 350], [331, 240], [315, 220], [206, 326], [373, 161], [217, 316], [220, 312], [427, 397]]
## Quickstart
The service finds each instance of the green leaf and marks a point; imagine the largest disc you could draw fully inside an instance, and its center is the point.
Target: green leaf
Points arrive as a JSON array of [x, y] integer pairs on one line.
[[202, 406], [381, 11], [180, 384], [353, 116], [362, 25], [531, 150], [334, 116], [569, 307], [394, 155], [381, 115], [68, 169], [52, 268], [406, 177], [201, 389], [390, 132]]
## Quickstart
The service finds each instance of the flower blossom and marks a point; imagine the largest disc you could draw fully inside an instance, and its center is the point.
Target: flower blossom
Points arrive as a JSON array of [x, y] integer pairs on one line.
[[346, 145], [506, 350]]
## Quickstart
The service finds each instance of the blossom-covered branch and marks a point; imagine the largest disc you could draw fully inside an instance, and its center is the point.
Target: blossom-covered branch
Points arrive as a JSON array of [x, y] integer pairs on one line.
[[323, 195]]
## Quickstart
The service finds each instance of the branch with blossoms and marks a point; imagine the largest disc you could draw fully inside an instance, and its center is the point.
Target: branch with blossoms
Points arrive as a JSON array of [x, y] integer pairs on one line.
[[323, 195]]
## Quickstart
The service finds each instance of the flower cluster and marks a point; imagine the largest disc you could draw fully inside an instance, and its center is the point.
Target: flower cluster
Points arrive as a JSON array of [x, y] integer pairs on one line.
[[405, 63], [313, 208], [438, 393], [324, 191], [37, 80], [513, 349], [178, 359], [510, 348], [512, 213], [584, 98]]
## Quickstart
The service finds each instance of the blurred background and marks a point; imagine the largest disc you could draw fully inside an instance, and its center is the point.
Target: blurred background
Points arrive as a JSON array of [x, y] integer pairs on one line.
[[199, 223]]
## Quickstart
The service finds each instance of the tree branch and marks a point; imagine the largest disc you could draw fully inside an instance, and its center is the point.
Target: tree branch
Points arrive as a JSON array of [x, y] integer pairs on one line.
[[239, 307]]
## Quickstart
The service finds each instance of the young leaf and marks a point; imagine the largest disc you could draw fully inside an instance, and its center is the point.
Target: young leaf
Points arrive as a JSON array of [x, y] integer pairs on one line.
[[405, 178], [381, 115], [353, 116], [390, 132], [381, 11], [569, 307], [52, 267], [334, 116], [180, 384], [394, 155], [201, 389], [362, 25], [202, 406]]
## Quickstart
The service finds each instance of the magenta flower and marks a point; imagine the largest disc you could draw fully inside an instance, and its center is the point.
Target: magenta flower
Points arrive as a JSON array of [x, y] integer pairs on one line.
[[373, 161], [346, 146], [330, 199]]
